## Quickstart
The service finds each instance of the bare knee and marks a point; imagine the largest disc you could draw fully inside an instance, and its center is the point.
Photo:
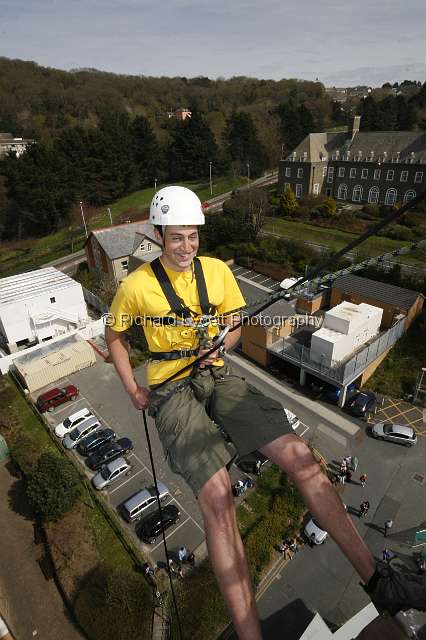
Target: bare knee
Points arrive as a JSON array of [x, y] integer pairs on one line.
[[215, 499], [293, 456]]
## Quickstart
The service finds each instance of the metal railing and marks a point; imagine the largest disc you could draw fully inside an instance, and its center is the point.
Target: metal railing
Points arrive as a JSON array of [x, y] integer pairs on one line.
[[340, 372]]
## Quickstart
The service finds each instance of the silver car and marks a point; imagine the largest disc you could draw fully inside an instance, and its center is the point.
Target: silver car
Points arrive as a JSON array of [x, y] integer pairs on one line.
[[394, 433], [110, 472], [72, 438]]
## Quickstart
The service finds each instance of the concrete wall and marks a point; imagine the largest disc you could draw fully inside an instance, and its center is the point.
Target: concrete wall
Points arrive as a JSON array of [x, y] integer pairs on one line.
[[256, 339], [368, 372]]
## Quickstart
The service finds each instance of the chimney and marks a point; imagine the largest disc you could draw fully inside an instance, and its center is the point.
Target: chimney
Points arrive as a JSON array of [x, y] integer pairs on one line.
[[354, 128]]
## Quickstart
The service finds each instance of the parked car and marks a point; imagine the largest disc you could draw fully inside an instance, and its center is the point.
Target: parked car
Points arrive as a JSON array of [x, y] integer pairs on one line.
[[48, 400], [107, 452], [133, 508], [252, 462], [314, 533], [362, 403], [150, 527], [332, 394], [394, 433], [72, 421], [111, 472], [94, 440], [72, 438], [292, 418]]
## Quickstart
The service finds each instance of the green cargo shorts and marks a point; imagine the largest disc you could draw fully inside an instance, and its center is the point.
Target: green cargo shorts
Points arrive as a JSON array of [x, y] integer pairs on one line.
[[188, 420]]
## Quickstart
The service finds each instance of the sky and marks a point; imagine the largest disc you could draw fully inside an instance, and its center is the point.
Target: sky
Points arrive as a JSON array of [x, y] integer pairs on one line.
[[340, 42]]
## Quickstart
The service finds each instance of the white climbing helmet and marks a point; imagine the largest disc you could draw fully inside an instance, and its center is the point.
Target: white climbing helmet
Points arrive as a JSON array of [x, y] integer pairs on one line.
[[177, 206]]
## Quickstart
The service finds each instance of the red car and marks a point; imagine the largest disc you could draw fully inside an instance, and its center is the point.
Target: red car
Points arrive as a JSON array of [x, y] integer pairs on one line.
[[50, 399]]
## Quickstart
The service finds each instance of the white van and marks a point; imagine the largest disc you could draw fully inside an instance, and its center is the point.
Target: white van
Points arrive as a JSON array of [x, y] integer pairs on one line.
[[72, 421], [72, 438]]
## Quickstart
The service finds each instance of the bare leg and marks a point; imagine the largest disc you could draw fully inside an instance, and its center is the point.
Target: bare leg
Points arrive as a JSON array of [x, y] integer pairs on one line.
[[292, 455], [227, 554]]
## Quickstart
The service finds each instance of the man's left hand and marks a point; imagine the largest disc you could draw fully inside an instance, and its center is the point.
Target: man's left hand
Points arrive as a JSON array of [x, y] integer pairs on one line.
[[210, 359]]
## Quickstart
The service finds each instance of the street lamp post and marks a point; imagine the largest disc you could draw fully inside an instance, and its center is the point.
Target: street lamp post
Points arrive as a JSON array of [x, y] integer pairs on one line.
[[210, 174], [84, 220], [248, 175]]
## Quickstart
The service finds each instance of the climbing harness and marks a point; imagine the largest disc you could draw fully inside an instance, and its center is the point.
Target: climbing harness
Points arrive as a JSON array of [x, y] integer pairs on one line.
[[178, 307], [182, 314]]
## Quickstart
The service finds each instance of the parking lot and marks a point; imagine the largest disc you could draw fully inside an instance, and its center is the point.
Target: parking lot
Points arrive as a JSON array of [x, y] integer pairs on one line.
[[399, 412], [101, 392]]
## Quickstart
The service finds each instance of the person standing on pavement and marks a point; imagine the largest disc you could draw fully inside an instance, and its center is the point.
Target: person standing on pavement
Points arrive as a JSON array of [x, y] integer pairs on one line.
[[364, 508], [182, 554], [387, 527], [181, 301], [363, 479]]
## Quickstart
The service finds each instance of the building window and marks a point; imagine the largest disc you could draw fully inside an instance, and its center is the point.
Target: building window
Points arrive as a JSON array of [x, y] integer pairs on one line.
[[364, 174], [373, 195], [324, 172], [288, 172], [352, 173], [287, 185], [300, 173], [342, 192], [376, 174], [330, 174], [419, 176], [390, 196], [52, 300], [357, 193], [409, 195], [390, 173], [298, 190], [124, 264], [148, 246], [404, 176], [341, 172], [316, 189]]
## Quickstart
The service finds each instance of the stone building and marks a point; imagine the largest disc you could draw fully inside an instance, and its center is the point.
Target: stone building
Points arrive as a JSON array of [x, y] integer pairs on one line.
[[376, 167]]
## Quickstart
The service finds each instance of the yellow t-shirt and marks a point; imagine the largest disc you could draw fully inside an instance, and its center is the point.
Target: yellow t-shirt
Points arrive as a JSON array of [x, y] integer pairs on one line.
[[140, 296]]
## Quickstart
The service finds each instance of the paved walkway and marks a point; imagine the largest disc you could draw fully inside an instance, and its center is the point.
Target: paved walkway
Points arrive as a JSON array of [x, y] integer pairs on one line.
[[30, 605]]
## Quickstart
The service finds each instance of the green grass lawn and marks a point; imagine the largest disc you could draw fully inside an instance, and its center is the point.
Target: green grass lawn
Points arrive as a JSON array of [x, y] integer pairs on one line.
[[23, 256], [335, 239]]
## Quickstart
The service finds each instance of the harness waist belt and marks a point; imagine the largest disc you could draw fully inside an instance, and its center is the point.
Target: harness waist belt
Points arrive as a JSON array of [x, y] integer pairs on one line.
[[173, 355]]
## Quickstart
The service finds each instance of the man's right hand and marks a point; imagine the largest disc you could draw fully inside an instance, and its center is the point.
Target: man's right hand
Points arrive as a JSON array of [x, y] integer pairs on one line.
[[140, 397]]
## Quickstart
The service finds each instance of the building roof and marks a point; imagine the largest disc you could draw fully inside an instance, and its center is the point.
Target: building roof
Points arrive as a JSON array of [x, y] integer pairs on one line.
[[118, 241], [365, 145], [33, 283], [379, 291]]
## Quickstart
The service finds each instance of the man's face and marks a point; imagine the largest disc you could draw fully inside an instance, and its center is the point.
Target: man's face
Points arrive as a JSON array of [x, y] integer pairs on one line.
[[180, 246]]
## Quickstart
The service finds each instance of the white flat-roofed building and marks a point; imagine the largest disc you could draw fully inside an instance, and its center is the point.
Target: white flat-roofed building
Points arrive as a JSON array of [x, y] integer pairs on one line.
[[39, 305], [346, 328], [9, 143]]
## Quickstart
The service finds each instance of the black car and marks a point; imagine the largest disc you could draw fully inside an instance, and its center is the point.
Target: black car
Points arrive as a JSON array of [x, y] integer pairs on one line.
[[109, 451], [362, 403], [252, 463], [150, 527], [94, 440]]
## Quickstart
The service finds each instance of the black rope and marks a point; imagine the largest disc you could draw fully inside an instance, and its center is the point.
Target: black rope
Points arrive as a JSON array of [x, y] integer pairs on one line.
[[157, 493]]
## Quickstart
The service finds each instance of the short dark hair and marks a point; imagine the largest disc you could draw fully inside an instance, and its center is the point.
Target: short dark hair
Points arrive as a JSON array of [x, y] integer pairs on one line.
[[159, 229]]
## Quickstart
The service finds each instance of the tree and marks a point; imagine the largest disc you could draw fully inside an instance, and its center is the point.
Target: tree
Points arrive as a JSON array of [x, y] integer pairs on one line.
[[328, 207], [405, 114], [39, 184], [146, 152], [191, 149], [243, 145], [288, 202], [53, 487]]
